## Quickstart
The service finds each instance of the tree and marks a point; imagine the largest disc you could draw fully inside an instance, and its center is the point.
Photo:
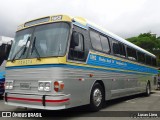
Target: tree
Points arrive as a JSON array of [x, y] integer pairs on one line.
[[147, 42]]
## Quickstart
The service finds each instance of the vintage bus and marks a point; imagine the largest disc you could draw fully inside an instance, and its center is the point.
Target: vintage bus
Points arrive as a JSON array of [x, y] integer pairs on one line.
[[58, 62], [5, 47]]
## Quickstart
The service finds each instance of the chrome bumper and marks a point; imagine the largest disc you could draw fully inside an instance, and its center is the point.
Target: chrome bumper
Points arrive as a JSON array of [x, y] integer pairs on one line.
[[54, 102]]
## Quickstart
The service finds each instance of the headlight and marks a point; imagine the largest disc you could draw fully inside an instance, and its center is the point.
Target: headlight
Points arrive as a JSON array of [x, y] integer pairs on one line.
[[9, 84], [6, 85], [44, 86], [41, 86], [47, 86]]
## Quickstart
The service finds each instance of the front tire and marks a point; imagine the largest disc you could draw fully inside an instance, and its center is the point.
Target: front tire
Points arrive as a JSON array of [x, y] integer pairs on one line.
[[96, 97]]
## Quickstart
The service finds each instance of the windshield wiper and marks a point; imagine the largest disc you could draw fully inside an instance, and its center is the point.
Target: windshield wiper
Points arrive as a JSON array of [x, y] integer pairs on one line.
[[24, 46], [34, 47]]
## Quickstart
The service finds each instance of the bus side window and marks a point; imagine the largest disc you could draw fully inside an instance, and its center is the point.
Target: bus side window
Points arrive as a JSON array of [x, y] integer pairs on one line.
[[95, 41], [118, 48], [141, 57], [132, 54], [154, 62], [105, 44], [148, 60], [122, 50], [76, 50], [115, 47]]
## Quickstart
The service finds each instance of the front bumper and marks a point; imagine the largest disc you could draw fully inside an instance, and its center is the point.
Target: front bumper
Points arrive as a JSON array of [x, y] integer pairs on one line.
[[49, 102]]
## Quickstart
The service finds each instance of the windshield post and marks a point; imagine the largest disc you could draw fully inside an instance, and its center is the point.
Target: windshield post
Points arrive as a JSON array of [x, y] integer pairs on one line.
[[34, 47]]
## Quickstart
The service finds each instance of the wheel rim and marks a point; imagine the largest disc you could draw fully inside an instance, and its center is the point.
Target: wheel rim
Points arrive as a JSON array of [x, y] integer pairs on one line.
[[148, 90], [97, 97]]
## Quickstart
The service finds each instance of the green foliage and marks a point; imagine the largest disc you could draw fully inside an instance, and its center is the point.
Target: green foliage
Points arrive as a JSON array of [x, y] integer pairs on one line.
[[147, 42]]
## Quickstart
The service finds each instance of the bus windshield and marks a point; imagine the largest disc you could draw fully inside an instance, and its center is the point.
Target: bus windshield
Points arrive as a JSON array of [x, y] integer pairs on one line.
[[40, 41]]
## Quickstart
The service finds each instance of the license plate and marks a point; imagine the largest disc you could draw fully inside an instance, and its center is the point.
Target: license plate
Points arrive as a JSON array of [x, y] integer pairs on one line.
[[25, 85]]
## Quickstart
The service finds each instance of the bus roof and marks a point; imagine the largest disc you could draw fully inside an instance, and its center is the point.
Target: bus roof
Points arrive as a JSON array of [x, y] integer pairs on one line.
[[83, 23]]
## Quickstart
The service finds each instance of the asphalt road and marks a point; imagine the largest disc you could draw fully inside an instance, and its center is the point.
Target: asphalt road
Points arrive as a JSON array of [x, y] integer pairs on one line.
[[132, 104]]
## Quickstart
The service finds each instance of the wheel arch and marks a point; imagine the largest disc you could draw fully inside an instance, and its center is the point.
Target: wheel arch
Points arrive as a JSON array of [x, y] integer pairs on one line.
[[102, 84]]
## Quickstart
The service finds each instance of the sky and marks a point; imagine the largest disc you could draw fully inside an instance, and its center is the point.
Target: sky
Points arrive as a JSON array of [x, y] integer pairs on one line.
[[126, 18]]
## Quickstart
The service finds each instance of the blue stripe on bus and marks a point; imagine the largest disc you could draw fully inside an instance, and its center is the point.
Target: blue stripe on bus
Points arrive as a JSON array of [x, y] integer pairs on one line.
[[97, 60], [71, 66]]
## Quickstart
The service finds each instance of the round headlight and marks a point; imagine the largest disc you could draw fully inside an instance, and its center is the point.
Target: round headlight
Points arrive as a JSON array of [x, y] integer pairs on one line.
[[41, 86], [47, 86], [6, 85]]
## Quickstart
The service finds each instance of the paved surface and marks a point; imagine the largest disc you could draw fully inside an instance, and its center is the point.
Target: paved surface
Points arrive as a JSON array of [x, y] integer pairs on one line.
[[133, 103]]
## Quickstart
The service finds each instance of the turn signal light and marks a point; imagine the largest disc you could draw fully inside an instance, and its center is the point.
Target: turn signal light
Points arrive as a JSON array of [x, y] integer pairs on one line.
[[58, 86]]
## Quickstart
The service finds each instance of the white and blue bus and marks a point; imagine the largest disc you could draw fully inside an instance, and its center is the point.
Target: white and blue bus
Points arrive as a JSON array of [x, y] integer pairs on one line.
[[5, 45], [58, 62]]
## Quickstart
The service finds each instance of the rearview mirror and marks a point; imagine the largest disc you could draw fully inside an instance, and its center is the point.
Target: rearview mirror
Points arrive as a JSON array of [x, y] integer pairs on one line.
[[75, 39], [7, 50]]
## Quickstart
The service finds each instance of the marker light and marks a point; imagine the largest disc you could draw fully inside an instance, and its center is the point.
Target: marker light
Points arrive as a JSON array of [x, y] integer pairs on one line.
[[58, 86], [9, 84]]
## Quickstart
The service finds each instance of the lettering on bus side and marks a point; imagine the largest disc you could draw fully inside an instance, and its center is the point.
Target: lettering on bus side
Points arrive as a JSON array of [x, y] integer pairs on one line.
[[25, 62], [93, 57]]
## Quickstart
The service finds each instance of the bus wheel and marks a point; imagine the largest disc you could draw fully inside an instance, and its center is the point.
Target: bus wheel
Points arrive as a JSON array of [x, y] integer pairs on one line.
[[96, 97], [148, 89]]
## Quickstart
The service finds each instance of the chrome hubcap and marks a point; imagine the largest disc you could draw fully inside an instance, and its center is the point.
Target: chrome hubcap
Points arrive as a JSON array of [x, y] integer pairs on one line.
[[97, 97], [148, 89]]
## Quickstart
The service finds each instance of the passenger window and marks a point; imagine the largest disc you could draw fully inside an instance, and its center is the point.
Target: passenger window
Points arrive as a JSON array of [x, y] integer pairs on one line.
[[118, 48], [154, 62], [131, 54], [95, 40], [76, 50], [122, 50], [148, 60], [115, 47], [105, 44], [141, 57]]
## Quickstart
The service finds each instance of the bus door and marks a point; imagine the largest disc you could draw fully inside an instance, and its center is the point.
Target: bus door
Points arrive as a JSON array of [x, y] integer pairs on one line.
[[79, 48]]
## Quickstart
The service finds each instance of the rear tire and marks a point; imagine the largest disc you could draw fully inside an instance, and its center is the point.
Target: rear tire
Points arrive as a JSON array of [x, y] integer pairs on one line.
[[148, 89], [96, 97]]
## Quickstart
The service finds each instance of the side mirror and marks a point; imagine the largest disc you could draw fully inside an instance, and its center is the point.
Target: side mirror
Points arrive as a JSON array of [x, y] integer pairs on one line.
[[7, 47], [75, 39], [7, 50], [11, 42]]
